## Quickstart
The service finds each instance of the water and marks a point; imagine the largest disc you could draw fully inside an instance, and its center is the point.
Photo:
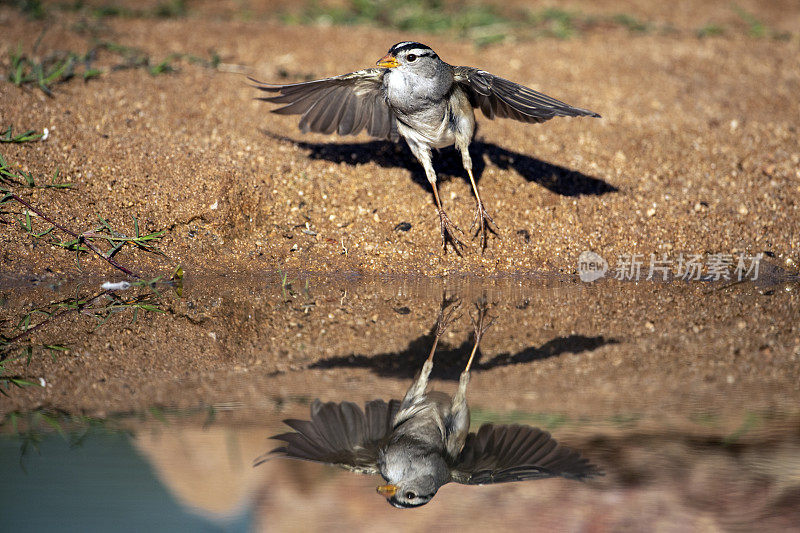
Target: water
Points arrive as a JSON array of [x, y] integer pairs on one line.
[[156, 404]]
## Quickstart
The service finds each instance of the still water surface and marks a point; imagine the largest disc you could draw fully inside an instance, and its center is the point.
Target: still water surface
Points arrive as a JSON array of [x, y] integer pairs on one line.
[[155, 405]]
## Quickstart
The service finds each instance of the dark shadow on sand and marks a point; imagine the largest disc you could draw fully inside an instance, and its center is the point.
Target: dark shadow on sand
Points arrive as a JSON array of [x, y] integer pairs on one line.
[[450, 360], [447, 163]]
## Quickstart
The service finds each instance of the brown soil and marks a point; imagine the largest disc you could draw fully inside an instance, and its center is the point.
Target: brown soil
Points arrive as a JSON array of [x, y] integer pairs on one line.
[[696, 151]]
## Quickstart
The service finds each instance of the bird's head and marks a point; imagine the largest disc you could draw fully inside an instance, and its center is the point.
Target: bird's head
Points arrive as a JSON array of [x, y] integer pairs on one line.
[[410, 493], [411, 56]]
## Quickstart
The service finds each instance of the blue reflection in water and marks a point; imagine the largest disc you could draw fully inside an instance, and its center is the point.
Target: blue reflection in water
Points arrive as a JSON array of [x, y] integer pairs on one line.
[[101, 485]]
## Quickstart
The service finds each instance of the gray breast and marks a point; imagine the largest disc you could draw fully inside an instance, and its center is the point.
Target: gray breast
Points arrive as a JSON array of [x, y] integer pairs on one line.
[[413, 90]]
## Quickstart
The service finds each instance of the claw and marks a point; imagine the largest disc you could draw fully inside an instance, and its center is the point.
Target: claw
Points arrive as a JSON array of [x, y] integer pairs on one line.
[[448, 230], [484, 222], [447, 318], [480, 325]]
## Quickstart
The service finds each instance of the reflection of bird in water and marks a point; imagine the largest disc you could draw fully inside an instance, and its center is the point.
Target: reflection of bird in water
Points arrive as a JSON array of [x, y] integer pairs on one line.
[[423, 442]]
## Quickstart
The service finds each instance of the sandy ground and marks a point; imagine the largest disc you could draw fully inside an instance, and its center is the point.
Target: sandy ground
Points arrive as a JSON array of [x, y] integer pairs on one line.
[[696, 154], [696, 151]]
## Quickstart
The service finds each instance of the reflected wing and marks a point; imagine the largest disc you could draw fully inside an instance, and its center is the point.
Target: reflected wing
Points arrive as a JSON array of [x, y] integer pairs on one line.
[[498, 97], [340, 434], [345, 104], [498, 454]]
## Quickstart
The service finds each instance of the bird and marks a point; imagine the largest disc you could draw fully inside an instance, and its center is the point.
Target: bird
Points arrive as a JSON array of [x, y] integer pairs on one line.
[[423, 442], [415, 95]]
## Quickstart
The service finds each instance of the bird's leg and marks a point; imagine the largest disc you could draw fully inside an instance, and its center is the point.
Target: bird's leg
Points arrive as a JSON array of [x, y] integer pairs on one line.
[[417, 388], [482, 220], [459, 409], [460, 397], [447, 228], [471, 357], [458, 426], [480, 329]]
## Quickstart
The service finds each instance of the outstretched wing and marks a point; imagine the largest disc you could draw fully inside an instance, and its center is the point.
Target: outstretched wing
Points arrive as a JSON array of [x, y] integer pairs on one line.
[[498, 97], [344, 104], [340, 434], [498, 454]]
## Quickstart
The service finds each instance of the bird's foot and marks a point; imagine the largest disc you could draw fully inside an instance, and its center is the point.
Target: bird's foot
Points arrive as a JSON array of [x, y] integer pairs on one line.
[[483, 224], [446, 318], [483, 321], [448, 230]]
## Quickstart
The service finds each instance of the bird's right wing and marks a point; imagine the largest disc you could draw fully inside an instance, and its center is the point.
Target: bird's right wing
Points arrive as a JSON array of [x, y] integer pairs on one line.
[[340, 434], [344, 104], [499, 97], [498, 454]]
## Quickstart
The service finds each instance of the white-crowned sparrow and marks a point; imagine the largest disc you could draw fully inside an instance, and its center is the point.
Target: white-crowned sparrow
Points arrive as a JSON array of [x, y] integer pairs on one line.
[[423, 442], [428, 102]]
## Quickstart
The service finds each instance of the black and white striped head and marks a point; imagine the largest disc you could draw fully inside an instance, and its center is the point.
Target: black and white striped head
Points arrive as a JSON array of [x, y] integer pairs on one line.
[[411, 493], [409, 54]]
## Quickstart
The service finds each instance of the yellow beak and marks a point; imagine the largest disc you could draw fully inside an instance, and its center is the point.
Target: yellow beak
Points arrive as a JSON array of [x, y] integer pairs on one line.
[[387, 491], [388, 61]]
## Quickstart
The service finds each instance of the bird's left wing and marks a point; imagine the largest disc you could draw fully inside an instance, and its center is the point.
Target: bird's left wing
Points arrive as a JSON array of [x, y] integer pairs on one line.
[[344, 104], [499, 454], [340, 434], [498, 97]]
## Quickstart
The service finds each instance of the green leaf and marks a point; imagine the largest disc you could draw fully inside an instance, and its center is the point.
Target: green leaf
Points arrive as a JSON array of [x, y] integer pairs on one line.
[[53, 423]]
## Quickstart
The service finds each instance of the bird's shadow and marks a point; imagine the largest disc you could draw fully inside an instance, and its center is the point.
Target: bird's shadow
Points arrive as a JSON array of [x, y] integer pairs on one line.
[[450, 360], [555, 178]]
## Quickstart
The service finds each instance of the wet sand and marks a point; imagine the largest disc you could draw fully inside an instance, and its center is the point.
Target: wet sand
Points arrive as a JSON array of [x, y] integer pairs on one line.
[[606, 348]]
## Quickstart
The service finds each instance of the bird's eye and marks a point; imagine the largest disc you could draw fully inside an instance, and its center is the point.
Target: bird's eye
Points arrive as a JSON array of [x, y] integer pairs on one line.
[[410, 495], [411, 58]]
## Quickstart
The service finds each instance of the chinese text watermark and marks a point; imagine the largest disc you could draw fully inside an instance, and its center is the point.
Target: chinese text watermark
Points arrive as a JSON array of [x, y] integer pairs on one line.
[[687, 267]]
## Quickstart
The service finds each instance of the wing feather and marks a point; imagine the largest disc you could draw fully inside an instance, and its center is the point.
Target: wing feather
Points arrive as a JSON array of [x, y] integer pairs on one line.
[[326, 112], [344, 104], [498, 97], [499, 454], [340, 434], [348, 118]]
